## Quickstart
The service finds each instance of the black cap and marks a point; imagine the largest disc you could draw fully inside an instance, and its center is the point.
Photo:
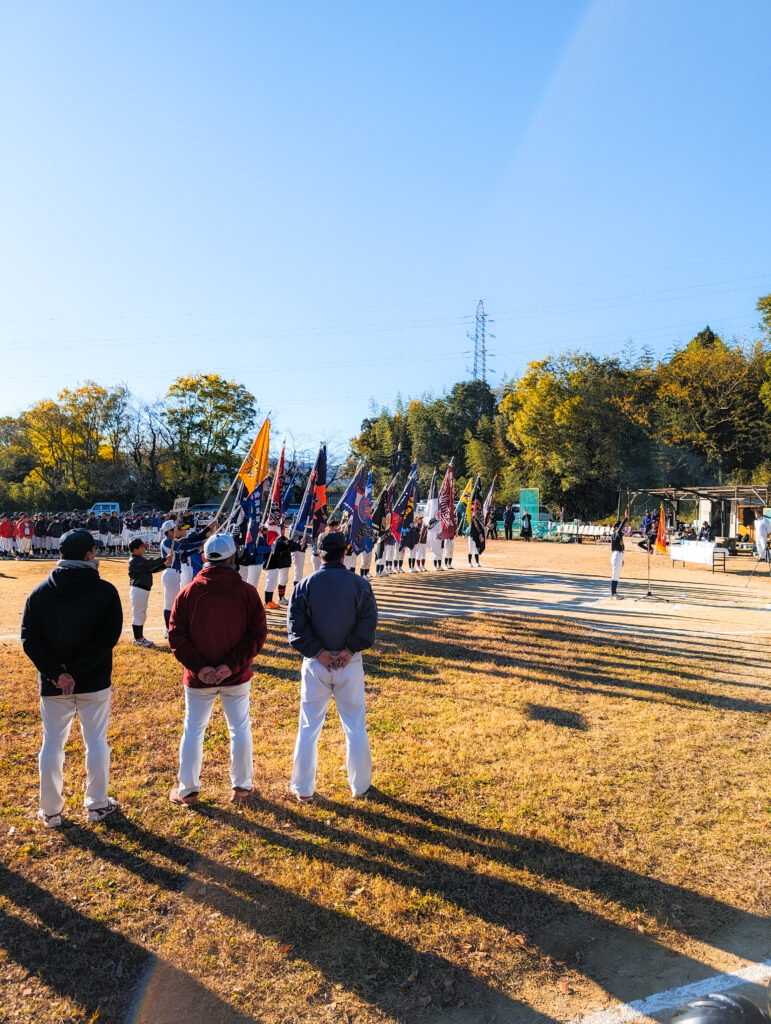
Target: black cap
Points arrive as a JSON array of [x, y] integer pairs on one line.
[[76, 544], [333, 543]]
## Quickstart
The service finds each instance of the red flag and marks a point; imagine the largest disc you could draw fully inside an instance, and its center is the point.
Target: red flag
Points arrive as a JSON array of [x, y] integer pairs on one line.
[[447, 504], [275, 517]]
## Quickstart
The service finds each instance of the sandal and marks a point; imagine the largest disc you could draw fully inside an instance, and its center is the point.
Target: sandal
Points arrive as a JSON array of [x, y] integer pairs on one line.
[[100, 813], [238, 793], [50, 820], [184, 801]]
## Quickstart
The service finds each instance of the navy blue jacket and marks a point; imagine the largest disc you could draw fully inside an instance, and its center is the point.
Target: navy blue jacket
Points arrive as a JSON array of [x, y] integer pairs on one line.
[[332, 610], [71, 623]]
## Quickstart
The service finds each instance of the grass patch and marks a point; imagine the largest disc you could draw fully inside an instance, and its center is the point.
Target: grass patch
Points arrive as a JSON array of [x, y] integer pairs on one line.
[[563, 817]]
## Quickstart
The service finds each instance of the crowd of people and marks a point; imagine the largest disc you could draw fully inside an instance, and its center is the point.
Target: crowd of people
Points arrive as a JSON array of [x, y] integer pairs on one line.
[[24, 536]]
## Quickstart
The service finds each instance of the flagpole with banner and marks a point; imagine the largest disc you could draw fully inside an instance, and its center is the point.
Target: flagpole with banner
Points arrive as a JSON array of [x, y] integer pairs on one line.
[[255, 463], [660, 544], [345, 492]]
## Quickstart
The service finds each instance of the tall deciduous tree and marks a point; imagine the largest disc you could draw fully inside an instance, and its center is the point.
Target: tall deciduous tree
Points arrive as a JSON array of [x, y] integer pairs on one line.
[[207, 418]]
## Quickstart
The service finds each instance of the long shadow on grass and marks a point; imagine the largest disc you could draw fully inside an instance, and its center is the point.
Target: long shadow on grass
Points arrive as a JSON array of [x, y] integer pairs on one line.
[[538, 661], [557, 927], [68, 952], [350, 952]]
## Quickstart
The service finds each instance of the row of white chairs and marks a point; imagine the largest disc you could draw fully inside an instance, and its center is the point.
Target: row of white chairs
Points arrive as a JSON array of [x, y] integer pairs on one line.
[[574, 530]]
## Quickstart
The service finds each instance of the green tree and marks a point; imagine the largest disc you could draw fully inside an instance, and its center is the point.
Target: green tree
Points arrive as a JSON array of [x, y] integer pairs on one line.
[[207, 419], [710, 401]]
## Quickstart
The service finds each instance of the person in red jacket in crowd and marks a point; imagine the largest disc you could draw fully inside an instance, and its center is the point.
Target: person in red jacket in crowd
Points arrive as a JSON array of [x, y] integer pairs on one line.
[[217, 627], [24, 532], [6, 536]]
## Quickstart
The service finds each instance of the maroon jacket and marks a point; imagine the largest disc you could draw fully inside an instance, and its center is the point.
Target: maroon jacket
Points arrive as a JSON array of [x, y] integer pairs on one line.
[[218, 619]]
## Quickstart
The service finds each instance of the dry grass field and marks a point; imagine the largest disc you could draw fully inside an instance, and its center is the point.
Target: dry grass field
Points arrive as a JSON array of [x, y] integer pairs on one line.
[[566, 817]]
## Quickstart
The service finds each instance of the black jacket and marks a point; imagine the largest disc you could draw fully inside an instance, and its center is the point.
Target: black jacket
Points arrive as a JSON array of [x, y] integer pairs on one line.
[[280, 556], [141, 569], [332, 610], [71, 624]]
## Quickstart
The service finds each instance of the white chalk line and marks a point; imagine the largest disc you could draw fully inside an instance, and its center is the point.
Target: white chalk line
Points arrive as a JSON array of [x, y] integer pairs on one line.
[[674, 998]]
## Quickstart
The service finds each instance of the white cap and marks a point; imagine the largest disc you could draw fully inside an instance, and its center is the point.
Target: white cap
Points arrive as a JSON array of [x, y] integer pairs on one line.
[[217, 549], [168, 525]]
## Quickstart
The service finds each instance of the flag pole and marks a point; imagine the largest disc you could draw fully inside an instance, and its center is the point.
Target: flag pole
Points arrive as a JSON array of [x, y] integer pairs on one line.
[[266, 510], [243, 463], [305, 495]]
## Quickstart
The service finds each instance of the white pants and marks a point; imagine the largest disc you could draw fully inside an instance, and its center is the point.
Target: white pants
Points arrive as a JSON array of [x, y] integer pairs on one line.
[[273, 576], [317, 686], [139, 599], [366, 559], [198, 708], [419, 552], [435, 547], [6, 544], [170, 578], [23, 545], [616, 561], [315, 561], [185, 575], [449, 547], [472, 548], [57, 713], [349, 561], [251, 573], [298, 564]]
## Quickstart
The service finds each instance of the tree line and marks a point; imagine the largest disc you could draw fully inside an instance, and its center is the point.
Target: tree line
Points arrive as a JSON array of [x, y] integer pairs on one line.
[[576, 425]]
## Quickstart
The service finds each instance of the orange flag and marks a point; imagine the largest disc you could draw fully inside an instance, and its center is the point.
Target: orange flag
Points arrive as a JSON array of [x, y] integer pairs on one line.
[[255, 465], [661, 536]]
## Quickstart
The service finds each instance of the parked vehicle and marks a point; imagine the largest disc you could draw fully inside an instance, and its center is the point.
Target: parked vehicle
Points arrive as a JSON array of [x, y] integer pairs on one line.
[[101, 508]]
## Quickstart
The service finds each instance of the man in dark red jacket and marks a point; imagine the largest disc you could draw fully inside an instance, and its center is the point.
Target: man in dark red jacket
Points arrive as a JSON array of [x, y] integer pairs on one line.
[[217, 627]]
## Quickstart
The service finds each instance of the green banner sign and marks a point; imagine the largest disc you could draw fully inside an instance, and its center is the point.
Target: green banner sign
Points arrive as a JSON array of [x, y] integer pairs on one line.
[[528, 502]]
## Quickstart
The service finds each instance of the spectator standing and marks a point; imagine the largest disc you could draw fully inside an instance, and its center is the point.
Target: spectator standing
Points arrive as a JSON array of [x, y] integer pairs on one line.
[[217, 628], [332, 618], [508, 522], [71, 624], [526, 532]]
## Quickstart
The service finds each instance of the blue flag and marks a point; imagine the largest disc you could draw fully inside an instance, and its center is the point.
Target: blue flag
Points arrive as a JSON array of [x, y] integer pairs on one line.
[[352, 491], [404, 509], [361, 516]]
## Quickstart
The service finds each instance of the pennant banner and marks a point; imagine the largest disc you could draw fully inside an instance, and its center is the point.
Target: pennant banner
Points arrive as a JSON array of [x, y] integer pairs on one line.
[[447, 504], [255, 466]]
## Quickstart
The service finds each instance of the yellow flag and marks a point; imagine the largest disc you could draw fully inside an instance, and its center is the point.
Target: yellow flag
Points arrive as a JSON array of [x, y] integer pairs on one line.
[[255, 466], [465, 498]]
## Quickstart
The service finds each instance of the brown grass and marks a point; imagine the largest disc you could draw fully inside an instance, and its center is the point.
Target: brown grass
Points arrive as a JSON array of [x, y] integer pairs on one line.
[[565, 818]]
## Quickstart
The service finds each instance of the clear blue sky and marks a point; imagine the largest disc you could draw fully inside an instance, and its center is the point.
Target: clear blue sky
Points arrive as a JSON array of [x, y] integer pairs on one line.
[[310, 197]]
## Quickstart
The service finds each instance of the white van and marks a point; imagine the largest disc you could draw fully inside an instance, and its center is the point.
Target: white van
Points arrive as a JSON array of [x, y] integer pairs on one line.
[[105, 508]]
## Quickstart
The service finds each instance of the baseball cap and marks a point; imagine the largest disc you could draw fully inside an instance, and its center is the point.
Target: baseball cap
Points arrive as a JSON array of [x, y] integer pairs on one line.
[[75, 544], [217, 549], [333, 543], [168, 525]]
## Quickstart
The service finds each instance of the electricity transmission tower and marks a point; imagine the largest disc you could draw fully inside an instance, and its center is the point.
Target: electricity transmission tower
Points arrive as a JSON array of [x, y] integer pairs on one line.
[[479, 337]]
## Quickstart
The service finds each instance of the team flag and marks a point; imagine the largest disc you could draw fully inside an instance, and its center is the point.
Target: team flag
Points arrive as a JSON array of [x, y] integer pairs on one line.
[[254, 468], [320, 492], [489, 500], [404, 508], [431, 511], [289, 488], [352, 491], [304, 517], [661, 535], [447, 504], [275, 515], [361, 516], [464, 502], [381, 513]]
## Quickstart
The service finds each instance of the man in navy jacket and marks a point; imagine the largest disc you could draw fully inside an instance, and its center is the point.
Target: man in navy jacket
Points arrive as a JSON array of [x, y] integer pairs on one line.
[[69, 628], [332, 618]]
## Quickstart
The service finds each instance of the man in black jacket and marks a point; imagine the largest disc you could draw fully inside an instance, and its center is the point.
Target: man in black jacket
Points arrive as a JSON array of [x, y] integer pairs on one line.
[[70, 625], [331, 619]]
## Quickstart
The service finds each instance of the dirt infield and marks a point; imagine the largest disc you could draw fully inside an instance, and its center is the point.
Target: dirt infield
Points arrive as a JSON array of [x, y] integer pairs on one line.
[[568, 580]]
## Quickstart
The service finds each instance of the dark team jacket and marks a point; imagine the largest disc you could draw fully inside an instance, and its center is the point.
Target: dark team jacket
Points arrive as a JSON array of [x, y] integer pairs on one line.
[[332, 610], [280, 556], [141, 569], [71, 623]]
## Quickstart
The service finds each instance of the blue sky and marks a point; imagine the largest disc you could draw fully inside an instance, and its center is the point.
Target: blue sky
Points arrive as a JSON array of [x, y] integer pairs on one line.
[[310, 198]]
